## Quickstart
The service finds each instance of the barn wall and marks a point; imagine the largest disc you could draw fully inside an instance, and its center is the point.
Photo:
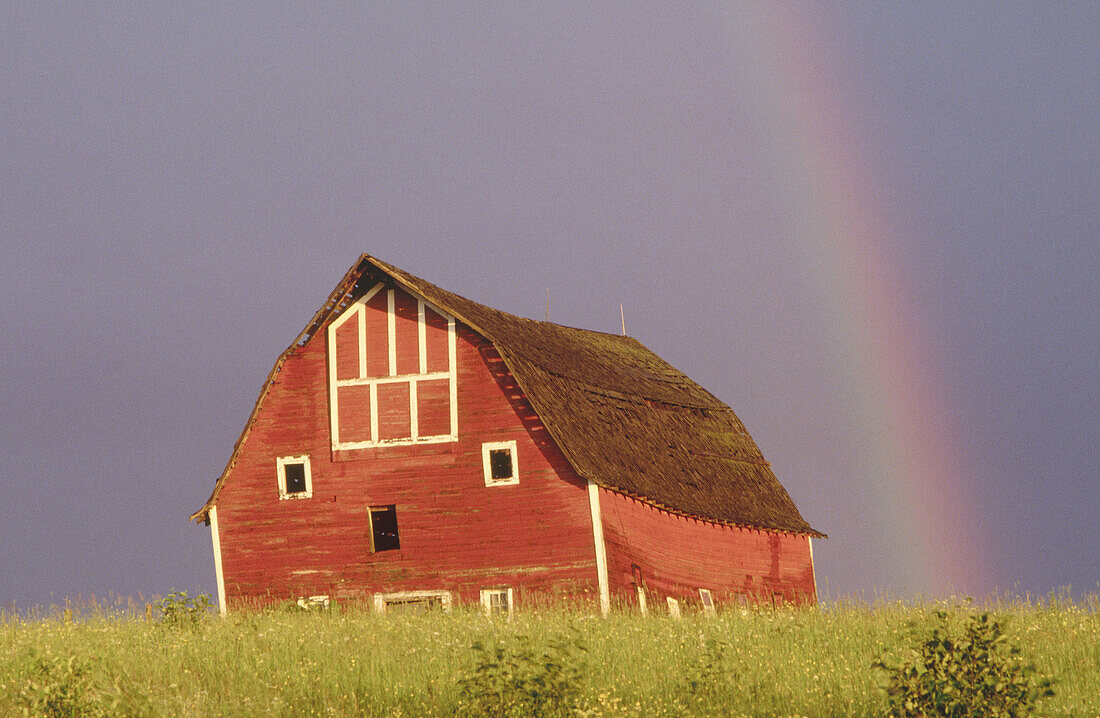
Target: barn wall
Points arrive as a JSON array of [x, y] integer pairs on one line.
[[676, 556], [456, 534]]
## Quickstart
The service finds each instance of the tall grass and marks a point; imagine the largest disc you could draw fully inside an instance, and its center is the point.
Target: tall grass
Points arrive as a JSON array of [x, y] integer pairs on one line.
[[776, 662]]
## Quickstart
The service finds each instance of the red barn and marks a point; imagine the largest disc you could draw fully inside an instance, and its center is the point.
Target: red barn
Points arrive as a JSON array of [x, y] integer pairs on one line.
[[414, 447]]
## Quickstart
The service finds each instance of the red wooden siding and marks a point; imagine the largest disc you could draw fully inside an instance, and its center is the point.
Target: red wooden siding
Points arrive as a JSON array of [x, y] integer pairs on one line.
[[435, 335], [394, 419], [354, 413], [377, 334], [347, 350], [677, 556], [433, 407], [456, 534]]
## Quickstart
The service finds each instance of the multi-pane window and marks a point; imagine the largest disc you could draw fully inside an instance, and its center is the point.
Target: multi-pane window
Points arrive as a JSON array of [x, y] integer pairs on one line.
[[499, 463], [391, 372], [496, 601], [293, 474]]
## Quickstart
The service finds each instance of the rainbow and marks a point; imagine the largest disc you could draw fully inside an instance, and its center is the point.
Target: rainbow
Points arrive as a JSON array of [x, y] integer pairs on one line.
[[838, 215]]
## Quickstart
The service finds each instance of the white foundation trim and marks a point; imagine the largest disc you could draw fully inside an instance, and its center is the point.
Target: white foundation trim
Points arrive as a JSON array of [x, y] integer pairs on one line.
[[215, 538], [601, 549]]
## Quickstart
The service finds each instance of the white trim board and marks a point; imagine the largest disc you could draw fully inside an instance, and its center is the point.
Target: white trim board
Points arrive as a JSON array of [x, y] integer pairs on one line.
[[601, 549], [215, 538]]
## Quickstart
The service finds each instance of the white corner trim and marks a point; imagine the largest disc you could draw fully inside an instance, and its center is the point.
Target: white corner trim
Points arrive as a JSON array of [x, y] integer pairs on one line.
[[486, 464], [280, 468], [216, 539], [601, 549], [813, 571]]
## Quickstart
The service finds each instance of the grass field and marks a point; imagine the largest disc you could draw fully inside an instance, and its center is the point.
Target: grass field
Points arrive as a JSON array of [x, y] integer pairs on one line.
[[776, 662]]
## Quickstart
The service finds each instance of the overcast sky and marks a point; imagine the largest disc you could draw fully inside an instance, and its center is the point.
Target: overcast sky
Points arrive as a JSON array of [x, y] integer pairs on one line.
[[872, 230]]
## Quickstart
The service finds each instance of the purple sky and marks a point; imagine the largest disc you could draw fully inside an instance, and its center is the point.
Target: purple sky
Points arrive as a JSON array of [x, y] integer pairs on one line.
[[180, 188]]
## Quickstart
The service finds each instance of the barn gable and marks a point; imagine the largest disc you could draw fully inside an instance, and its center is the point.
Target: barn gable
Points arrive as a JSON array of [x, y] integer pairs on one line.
[[624, 418], [391, 372]]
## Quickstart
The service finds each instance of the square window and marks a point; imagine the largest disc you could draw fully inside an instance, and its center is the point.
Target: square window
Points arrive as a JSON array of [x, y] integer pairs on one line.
[[499, 463], [383, 527], [295, 480], [707, 599], [496, 601]]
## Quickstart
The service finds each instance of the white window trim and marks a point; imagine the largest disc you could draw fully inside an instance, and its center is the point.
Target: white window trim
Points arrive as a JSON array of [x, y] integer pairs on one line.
[[673, 607], [486, 599], [487, 468], [642, 607], [382, 600], [357, 311], [707, 600], [281, 463]]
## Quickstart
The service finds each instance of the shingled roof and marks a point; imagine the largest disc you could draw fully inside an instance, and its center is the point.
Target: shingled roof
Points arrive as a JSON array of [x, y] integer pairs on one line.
[[625, 419]]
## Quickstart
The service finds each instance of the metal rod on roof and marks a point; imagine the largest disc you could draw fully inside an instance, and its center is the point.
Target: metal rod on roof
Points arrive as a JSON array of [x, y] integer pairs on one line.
[[622, 317]]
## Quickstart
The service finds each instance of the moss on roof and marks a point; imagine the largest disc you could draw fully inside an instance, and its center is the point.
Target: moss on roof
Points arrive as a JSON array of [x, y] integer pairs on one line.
[[626, 419]]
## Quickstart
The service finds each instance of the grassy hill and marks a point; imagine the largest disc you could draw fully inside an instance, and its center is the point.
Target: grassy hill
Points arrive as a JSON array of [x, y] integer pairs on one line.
[[775, 662]]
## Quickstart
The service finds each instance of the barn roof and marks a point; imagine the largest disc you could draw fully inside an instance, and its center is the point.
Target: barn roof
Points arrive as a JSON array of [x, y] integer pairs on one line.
[[625, 419]]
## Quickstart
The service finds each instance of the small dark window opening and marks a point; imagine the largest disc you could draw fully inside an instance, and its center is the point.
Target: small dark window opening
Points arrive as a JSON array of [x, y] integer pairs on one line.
[[383, 523], [295, 475], [500, 464]]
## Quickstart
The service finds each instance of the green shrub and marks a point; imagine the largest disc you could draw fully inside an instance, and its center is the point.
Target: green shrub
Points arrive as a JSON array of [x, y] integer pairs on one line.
[[522, 681], [708, 679], [974, 672], [59, 688], [179, 609]]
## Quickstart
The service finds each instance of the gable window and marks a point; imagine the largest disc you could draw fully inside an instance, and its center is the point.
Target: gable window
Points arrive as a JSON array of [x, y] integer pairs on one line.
[[496, 601], [708, 601], [499, 464], [383, 529], [295, 480], [392, 377]]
